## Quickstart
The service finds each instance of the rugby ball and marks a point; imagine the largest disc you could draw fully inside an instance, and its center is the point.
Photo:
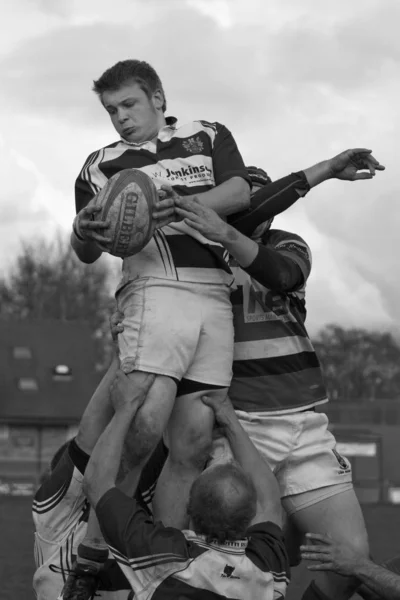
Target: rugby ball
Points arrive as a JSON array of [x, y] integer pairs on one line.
[[127, 202]]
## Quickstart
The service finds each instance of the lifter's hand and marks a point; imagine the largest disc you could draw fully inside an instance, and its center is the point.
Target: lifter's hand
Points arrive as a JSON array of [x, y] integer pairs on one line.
[[88, 228], [222, 407], [129, 393], [201, 218], [347, 165], [116, 326], [164, 210], [330, 555]]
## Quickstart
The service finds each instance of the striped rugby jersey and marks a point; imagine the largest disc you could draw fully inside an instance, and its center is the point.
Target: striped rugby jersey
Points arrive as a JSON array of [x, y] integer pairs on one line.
[[60, 514], [192, 158], [163, 563], [275, 366]]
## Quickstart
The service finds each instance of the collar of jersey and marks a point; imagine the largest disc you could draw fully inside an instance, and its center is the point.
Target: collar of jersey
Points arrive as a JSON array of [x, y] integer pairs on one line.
[[238, 546], [171, 123]]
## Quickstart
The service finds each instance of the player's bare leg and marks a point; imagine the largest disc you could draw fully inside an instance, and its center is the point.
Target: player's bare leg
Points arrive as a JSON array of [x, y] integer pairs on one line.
[[189, 439], [341, 517], [150, 421]]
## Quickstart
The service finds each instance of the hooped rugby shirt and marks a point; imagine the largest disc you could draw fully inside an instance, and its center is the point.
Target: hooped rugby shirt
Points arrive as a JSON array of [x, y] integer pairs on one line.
[[275, 367], [164, 563], [192, 158], [60, 514]]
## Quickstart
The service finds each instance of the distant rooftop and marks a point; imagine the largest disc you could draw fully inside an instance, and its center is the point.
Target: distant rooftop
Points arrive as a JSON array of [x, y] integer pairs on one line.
[[47, 370]]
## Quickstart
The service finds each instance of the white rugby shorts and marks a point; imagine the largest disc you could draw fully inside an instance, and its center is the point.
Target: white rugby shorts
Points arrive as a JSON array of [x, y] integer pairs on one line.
[[178, 329], [301, 452]]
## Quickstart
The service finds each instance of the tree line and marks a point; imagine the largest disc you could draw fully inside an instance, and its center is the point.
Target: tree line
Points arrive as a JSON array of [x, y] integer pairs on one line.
[[48, 281]]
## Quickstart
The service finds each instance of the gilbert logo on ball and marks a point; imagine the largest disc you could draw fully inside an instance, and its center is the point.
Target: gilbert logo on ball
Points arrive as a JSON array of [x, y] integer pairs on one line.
[[127, 201]]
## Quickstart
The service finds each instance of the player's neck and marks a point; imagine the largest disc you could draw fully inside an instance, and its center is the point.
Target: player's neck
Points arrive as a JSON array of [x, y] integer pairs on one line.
[[161, 122]]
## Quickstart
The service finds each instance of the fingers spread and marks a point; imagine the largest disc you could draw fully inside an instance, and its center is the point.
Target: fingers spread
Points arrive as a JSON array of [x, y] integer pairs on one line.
[[320, 567], [191, 204], [325, 539], [355, 151], [164, 215], [100, 238], [321, 549], [358, 176], [185, 213], [164, 204], [91, 210], [193, 224]]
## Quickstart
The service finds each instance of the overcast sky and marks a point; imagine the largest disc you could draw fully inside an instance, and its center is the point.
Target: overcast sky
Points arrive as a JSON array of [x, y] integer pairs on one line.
[[295, 81]]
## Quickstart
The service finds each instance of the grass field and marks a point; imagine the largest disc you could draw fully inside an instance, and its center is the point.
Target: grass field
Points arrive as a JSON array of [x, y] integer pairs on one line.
[[16, 546]]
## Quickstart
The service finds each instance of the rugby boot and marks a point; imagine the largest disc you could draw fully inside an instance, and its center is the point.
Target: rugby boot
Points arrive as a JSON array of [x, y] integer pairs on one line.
[[81, 583]]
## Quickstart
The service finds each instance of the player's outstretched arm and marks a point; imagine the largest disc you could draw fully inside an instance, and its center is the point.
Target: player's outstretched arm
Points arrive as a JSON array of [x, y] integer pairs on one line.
[[275, 197], [227, 198], [335, 556], [268, 494], [126, 397]]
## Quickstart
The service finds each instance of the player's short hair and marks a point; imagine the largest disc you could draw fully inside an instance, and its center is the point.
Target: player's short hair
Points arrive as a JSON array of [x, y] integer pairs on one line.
[[222, 503], [127, 71]]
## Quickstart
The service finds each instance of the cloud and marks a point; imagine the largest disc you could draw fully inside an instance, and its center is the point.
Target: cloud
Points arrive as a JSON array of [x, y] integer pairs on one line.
[[296, 82]]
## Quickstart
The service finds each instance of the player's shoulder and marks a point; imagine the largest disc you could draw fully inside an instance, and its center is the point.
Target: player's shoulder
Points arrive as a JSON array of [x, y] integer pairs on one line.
[[98, 154], [286, 240], [212, 127], [266, 547], [198, 133], [54, 485]]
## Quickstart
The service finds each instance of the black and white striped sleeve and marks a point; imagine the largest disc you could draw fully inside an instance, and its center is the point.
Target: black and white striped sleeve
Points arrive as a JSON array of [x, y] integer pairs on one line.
[[59, 502]]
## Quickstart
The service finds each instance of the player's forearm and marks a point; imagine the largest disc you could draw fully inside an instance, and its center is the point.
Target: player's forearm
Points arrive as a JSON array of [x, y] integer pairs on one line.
[[243, 249], [269, 201], [385, 583], [98, 412], [318, 173], [87, 252], [265, 265], [227, 198], [102, 470], [251, 461]]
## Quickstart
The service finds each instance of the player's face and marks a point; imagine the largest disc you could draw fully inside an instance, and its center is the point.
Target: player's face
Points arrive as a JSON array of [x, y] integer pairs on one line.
[[133, 114]]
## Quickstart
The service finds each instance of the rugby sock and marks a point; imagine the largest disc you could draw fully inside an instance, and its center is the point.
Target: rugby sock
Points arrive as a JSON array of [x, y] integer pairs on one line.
[[314, 593], [91, 558]]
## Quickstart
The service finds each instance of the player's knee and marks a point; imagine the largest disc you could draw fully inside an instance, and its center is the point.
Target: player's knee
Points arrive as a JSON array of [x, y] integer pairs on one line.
[[193, 449]]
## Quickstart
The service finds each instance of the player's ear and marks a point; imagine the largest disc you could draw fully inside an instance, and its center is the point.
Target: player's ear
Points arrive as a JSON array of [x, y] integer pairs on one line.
[[158, 99]]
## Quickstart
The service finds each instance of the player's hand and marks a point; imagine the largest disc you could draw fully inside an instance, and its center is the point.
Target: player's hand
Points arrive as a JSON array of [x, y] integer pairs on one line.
[[116, 325], [222, 407], [201, 218], [164, 210], [351, 165], [89, 229], [129, 393], [330, 555]]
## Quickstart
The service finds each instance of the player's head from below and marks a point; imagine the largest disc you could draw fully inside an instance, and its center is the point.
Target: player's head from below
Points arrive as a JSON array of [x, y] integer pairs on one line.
[[259, 179], [222, 503], [133, 95]]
